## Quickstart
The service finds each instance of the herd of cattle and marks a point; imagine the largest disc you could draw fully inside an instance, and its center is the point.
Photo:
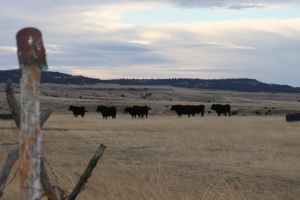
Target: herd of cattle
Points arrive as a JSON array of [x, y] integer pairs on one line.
[[142, 111]]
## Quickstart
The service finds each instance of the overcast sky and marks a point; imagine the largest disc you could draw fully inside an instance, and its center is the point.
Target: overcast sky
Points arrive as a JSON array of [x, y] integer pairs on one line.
[[203, 39]]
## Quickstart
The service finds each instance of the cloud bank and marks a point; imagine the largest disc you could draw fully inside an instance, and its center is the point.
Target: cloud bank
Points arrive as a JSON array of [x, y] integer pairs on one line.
[[97, 39]]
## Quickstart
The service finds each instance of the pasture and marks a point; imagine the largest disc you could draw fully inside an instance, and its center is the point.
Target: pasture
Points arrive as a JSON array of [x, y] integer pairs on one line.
[[245, 156]]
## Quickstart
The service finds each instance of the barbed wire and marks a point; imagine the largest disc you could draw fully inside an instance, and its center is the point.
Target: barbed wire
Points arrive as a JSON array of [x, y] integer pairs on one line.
[[238, 165], [256, 168], [51, 168], [14, 176], [8, 144]]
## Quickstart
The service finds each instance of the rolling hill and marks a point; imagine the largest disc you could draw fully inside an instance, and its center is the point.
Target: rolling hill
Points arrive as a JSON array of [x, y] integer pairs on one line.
[[237, 84]]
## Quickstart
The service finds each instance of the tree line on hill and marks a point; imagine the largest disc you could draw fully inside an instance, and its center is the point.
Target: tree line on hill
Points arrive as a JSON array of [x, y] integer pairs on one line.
[[234, 84]]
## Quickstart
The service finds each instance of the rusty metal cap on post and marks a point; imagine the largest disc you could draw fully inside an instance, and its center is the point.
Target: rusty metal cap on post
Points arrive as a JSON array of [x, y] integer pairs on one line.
[[30, 48]]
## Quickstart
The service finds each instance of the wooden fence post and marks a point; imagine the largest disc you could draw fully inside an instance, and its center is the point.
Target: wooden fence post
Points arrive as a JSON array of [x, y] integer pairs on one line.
[[14, 154], [12, 103], [87, 173], [31, 54], [46, 183], [10, 160]]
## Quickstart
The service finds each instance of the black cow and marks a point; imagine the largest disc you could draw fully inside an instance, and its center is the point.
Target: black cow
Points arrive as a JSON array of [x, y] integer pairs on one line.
[[221, 109], [293, 117], [107, 111], [181, 110], [139, 111], [198, 109], [78, 110], [190, 110]]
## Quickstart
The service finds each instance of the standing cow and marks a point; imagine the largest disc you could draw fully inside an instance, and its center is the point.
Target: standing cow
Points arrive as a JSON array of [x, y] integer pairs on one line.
[[198, 109], [77, 110], [182, 110], [139, 111], [189, 110], [221, 109], [107, 111]]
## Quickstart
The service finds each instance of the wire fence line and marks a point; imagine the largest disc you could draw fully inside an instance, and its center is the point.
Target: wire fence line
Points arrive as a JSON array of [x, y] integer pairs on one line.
[[198, 162], [14, 176], [8, 144], [51, 168], [236, 165]]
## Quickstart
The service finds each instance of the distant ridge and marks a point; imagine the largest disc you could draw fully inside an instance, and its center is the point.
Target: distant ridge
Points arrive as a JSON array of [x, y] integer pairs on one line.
[[238, 84]]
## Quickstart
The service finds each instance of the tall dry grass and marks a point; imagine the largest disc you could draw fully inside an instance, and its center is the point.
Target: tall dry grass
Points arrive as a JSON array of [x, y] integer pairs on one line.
[[164, 157]]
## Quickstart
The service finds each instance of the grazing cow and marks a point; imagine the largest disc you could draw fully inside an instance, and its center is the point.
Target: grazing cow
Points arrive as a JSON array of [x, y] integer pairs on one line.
[[78, 110], [130, 111], [292, 117], [107, 111], [181, 110], [198, 109], [221, 109], [139, 111], [189, 110]]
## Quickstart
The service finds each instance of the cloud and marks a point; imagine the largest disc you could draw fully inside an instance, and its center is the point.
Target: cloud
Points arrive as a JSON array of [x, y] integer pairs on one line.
[[259, 46], [244, 7], [218, 45], [231, 4], [91, 38], [7, 49], [110, 54]]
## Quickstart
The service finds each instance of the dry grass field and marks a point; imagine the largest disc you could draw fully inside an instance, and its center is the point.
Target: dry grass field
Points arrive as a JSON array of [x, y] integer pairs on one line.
[[240, 157]]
